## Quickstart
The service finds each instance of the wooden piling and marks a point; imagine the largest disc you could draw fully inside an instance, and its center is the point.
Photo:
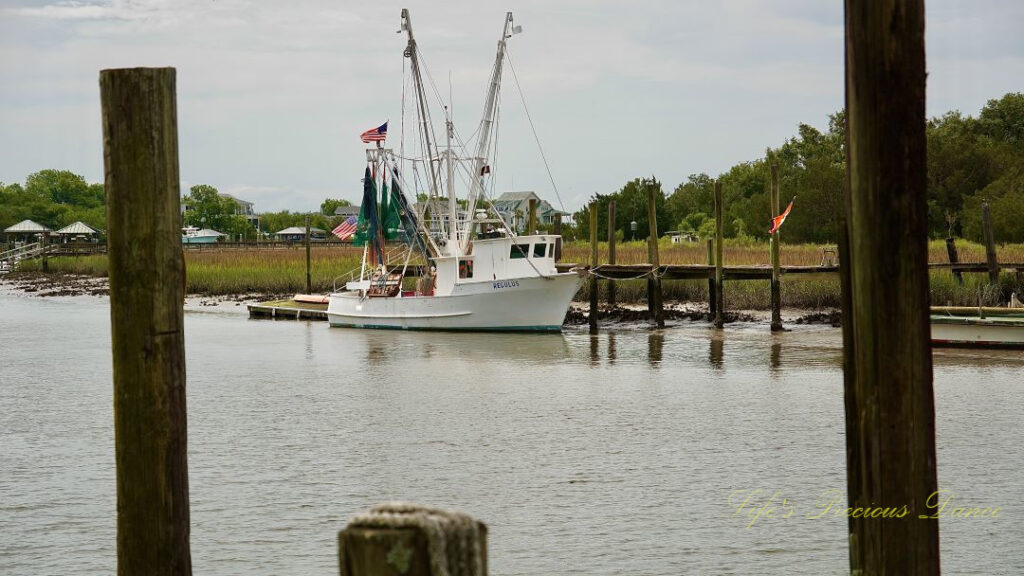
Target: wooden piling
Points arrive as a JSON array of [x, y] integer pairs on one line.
[[654, 295], [953, 259], [990, 244], [309, 277], [776, 292], [44, 243], [719, 254], [712, 298], [391, 551], [593, 264], [611, 250], [531, 221], [889, 398], [140, 152]]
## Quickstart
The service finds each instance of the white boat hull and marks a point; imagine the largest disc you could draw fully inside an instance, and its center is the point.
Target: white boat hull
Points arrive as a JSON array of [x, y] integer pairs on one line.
[[992, 332], [514, 304]]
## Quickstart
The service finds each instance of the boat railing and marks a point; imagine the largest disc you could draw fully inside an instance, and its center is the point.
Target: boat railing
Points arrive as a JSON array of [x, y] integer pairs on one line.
[[357, 273]]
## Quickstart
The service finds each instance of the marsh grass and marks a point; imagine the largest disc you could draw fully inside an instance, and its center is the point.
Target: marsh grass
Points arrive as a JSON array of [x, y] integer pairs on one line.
[[283, 271]]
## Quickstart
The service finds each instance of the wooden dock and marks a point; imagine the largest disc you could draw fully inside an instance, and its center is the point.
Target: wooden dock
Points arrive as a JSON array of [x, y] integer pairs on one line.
[[288, 309]]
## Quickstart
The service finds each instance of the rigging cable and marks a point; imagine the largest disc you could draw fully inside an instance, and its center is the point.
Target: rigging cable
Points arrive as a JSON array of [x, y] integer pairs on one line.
[[532, 127]]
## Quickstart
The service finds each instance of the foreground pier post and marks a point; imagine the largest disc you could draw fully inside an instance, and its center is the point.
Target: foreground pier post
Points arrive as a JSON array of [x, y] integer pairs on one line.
[[140, 152], [890, 414]]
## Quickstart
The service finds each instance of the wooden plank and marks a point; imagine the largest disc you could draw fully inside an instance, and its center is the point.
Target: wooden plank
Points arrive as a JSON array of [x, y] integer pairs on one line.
[[888, 387], [140, 152]]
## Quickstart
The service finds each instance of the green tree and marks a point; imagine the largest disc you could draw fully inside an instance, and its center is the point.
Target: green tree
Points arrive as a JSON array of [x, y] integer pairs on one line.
[[328, 206], [206, 208]]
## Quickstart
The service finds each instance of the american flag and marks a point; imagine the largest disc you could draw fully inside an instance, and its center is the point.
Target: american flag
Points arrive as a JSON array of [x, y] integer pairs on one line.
[[377, 134], [346, 229]]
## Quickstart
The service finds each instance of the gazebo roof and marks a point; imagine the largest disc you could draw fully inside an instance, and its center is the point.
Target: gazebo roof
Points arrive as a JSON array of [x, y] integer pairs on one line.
[[78, 228], [297, 230], [25, 227]]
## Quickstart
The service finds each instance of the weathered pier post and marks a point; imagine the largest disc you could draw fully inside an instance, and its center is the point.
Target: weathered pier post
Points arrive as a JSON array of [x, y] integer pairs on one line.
[[611, 250], [776, 296], [140, 152], [712, 298], [44, 243], [890, 411], [654, 295], [412, 540], [593, 264], [719, 257], [953, 259], [309, 277], [990, 244], [531, 220]]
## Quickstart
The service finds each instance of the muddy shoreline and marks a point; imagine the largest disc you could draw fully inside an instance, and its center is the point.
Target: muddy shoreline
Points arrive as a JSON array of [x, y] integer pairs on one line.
[[60, 284]]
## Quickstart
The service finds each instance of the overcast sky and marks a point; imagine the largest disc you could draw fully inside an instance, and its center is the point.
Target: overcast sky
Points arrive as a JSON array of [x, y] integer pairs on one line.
[[272, 96]]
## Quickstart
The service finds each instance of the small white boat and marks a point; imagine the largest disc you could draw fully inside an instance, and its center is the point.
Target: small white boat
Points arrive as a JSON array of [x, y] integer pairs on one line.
[[480, 274], [977, 327]]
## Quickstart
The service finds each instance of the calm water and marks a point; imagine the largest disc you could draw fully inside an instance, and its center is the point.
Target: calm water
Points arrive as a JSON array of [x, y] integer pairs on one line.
[[608, 455]]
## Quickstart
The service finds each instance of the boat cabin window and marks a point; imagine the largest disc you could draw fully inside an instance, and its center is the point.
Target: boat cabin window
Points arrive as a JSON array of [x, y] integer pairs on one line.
[[465, 268], [551, 250], [539, 250], [519, 251]]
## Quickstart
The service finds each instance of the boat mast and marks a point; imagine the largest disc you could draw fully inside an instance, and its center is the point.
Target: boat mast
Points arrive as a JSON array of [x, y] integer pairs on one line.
[[479, 166], [421, 102], [453, 206]]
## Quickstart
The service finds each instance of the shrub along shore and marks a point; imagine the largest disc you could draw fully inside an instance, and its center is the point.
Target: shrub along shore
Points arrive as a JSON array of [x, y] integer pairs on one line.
[[235, 271]]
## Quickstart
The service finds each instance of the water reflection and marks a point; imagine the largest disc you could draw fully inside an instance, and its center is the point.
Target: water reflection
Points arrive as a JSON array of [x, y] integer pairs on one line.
[[716, 353], [655, 346], [595, 353], [776, 357], [611, 348]]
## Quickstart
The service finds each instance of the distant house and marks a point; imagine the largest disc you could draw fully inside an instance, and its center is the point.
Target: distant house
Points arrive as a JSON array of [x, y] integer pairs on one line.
[[514, 208], [346, 211], [243, 208], [298, 234]]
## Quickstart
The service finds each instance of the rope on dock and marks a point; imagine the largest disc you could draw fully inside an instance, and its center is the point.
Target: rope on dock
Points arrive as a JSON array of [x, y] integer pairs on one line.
[[454, 539], [653, 272]]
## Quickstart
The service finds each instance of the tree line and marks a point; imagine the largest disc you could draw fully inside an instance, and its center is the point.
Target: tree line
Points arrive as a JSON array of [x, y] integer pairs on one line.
[[970, 160], [56, 198]]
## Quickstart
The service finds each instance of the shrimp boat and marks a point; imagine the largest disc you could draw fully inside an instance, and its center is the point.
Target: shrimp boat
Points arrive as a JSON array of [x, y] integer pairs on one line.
[[478, 273], [953, 326]]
